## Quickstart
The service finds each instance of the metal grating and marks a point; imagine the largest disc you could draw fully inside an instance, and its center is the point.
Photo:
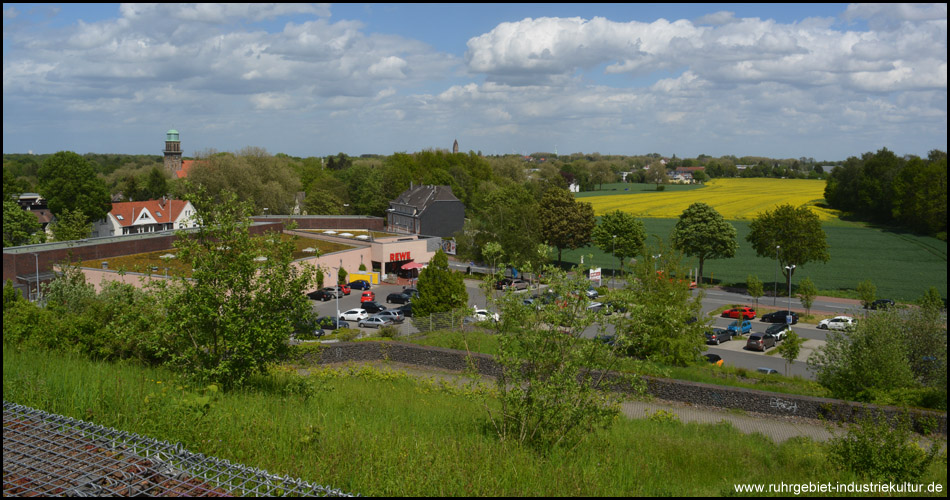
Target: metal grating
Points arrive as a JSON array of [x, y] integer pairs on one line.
[[51, 455]]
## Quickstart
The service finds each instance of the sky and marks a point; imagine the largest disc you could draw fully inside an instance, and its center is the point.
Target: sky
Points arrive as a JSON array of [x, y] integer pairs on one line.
[[824, 81]]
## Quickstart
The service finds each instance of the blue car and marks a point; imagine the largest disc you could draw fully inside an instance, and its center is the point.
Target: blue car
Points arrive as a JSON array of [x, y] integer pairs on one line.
[[735, 329], [360, 285]]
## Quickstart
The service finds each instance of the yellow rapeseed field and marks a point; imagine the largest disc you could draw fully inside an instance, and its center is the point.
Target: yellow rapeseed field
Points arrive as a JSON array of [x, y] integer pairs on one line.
[[733, 198]]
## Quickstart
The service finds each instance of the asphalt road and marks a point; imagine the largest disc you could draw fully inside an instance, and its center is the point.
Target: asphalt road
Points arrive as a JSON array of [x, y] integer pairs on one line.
[[732, 352]]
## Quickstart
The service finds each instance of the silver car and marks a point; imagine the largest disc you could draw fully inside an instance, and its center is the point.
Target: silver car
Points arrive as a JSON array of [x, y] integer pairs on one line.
[[393, 315], [375, 322]]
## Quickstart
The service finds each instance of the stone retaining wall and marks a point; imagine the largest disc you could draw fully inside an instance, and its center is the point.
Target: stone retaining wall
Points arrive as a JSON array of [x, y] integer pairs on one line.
[[698, 393]]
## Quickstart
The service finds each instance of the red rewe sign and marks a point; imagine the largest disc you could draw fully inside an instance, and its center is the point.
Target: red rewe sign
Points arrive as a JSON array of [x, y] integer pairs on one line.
[[393, 257]]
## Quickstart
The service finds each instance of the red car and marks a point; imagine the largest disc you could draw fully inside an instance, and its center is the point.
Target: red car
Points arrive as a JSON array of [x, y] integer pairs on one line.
[[367, 296], [744, 312], [344, 288]]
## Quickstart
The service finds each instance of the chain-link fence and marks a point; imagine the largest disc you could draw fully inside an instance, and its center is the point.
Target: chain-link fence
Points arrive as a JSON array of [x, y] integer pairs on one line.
[[458, 319], [45, 454]]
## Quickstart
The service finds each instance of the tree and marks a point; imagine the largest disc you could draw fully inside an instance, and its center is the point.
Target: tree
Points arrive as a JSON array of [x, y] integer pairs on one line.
[[662, 323], [701, 232], [20, 227], [492, 251], [807, 291], [755, 288], [868, 363], [565, 223], [549, 394], [866, 292], [70, 225], [69, 182], [797, 230], [656, 174], [619, 234], [789, 349], [156, 185], [236, 313], [255, 176], [440, 288]]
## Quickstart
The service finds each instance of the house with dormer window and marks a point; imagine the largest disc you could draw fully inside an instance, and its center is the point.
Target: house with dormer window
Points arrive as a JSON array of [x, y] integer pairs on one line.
[[150, 216]]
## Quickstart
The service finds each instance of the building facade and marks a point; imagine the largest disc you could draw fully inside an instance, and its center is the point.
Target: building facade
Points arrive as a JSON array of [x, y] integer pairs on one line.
[[426, 210], [151, 216]]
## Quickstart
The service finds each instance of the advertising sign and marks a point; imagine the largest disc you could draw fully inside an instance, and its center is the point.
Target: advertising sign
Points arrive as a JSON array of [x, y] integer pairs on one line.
[[595, 275]]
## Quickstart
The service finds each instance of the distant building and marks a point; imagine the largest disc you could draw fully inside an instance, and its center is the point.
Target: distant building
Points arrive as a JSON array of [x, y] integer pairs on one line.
[[151, 216], [426, 210], [172, 152], [455, 147], [36, 205]]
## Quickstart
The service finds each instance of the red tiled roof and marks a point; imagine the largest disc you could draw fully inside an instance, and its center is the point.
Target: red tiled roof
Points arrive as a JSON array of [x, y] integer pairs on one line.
[[130, 210], [185, 168]]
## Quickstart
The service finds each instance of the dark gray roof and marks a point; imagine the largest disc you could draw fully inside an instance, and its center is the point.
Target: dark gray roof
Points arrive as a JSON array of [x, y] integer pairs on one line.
[[420, 197]]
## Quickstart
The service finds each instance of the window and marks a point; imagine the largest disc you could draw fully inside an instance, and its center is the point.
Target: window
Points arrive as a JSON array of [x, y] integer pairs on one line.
[[144, 216], [119, 217]]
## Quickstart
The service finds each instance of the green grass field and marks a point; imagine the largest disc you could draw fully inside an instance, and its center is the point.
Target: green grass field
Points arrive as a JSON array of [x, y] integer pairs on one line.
[[901, 265], [379, 433]]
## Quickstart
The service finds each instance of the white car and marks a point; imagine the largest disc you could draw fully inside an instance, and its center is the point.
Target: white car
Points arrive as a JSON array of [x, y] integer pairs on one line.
[[354, 315], [485, 315], [837, 323]]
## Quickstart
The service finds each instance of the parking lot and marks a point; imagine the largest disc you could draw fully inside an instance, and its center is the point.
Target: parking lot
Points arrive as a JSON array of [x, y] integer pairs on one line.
[[733, 352]]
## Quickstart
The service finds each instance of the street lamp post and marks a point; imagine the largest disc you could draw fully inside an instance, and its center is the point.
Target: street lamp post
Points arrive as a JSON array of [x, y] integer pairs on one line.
[[655, 257], [613, 273], [36, 257], [337, 291], [789, 313], [775, 276]]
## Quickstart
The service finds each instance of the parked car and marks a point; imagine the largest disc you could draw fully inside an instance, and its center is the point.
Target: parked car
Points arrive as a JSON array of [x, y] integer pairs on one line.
[[344, 289], [718, 335], [779, 317], [485, 315], [367, 296], [391, 314], [354, 315], [334, 291], [517, 284], [375, 322], [595, 306], [735, 328], [767, 371], [359, 285], [308, 328], [328, 323], [321, 295], [882, 304], [615, 306], [837, 323], [406, 310], [744, 312], [780, 331], [760, 342], [398, 298], [372, 307], [412, 292]]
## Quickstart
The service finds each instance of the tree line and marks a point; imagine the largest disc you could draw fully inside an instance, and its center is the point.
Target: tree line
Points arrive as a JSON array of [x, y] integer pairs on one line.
[[881, 187]]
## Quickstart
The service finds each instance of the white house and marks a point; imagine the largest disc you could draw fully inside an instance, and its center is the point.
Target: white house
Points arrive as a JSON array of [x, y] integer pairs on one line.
[[134, 217]]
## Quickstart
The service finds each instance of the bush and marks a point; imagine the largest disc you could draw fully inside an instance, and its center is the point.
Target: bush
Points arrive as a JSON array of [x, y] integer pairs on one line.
[[389, 332], [346, 334], [880, 453]]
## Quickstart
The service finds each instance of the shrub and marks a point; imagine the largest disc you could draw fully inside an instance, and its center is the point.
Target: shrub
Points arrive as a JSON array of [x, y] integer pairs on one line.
[[389, 332], [875, 450], [346, 334]]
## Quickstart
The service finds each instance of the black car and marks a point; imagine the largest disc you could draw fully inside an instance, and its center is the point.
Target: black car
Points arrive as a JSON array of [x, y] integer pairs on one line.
[[359, 285], [779, 317], [412, 292], [372, 307], [780, 331], [328, 323], [308, 328], [398, 298], [406, 310], [882, 304], [321, 295], [718, 336]]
